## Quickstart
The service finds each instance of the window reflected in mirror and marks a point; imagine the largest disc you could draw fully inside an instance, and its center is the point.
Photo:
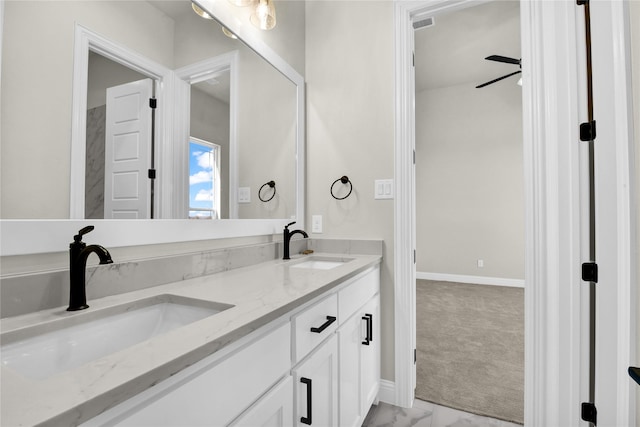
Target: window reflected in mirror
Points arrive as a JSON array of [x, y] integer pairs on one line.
[[204, 179]]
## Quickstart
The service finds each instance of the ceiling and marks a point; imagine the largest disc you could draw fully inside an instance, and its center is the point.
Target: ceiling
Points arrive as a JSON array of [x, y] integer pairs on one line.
[[452, 51]]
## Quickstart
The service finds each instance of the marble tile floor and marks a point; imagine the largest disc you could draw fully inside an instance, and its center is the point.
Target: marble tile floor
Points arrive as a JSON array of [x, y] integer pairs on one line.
[[426, 414]]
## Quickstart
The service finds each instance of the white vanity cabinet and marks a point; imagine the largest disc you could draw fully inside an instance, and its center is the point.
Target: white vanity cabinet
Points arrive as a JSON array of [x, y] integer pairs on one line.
[[359, 349], [212, 392], [318, 365]]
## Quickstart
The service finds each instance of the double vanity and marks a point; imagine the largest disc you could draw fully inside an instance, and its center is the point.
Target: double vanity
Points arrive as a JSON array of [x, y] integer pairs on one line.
[[285, 341]]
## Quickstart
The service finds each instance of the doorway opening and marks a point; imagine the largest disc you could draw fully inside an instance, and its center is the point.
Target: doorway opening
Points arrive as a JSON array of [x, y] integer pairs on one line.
[[119, 142], [90, 47], [469, 208]]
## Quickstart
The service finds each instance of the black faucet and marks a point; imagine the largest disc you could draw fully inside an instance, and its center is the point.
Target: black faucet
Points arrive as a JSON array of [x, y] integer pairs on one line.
[[287, 238], [78, 254]]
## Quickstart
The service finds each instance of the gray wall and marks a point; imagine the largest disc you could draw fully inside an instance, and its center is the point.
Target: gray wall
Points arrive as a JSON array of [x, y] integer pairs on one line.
[[350, 129], [469, 180]]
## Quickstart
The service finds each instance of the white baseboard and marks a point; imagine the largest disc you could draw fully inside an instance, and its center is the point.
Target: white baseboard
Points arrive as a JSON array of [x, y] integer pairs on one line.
[[478, 280], [387, 392]]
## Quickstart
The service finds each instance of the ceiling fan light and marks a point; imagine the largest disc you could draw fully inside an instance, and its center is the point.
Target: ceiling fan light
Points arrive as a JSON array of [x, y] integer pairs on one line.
[[264, 15], [200, 12]]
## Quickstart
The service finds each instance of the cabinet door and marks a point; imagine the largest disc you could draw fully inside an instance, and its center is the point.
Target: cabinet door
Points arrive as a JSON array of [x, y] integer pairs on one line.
[[350, 343], [273, 410], [370, 356], [316, 384]]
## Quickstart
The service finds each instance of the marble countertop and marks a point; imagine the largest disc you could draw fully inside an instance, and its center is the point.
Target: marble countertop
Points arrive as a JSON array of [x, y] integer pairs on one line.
[[259, 294]]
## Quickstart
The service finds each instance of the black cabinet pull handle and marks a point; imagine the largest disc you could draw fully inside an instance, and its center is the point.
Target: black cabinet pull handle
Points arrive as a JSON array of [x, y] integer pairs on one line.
[[307, 419], [369, 319], [325, 325]]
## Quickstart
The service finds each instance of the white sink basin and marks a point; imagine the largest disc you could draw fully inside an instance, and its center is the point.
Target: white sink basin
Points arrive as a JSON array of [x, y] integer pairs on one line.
[[322, 263], [50, 348]]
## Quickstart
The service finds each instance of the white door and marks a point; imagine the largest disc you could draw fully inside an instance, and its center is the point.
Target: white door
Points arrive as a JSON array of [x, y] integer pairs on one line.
[[316, 383], [127, 192]]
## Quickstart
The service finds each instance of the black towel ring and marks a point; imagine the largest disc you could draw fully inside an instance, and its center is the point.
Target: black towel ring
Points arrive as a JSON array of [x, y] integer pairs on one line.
[[344, 180], [271, 184]]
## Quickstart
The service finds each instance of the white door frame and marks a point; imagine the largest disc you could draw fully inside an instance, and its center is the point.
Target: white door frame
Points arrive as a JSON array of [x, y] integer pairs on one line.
[[85, 41], [553, 106]]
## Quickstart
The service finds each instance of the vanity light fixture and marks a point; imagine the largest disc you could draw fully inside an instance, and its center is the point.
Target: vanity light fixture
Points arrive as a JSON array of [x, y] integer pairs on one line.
[[228, 33], [200, 12], [264, 15]]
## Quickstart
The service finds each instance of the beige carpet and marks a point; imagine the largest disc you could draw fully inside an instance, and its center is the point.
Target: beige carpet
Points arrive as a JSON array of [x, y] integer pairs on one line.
[[470, 348]]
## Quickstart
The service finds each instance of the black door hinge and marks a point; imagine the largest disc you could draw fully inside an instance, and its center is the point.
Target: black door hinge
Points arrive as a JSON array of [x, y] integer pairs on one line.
[[415, 356], [590, 272], [589, 413], [152, 174], [153, 103], [588, 131]]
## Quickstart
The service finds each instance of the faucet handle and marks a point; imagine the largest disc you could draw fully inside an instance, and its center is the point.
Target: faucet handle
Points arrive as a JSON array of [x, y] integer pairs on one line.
[[291, 223], [78, 237]]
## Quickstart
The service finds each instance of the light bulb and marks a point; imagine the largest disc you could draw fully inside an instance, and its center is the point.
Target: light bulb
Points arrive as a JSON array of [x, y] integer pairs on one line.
[[197, 9], [241, 3], [228, 33], [264, 15]]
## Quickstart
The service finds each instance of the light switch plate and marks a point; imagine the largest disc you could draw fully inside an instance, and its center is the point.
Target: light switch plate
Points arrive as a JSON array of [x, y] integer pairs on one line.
[[316, 223], [244, 194], [383, 189]]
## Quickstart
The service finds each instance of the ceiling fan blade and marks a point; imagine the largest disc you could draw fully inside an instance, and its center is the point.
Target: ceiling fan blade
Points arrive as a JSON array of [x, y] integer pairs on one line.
[[499, 58], [498, 79]]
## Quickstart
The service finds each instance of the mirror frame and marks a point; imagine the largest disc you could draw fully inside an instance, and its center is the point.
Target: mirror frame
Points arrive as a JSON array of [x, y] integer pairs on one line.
[[23, 237]]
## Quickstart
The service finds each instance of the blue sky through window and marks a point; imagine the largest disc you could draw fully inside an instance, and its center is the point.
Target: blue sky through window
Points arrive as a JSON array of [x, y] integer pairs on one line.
[[201, 178]]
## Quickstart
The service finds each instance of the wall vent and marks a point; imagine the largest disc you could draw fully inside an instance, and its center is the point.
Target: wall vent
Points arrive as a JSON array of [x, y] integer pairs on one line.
[[424, 23]]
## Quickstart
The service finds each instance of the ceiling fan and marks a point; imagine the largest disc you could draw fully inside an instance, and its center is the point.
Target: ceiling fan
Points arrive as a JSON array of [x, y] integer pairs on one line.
[[504, 59]]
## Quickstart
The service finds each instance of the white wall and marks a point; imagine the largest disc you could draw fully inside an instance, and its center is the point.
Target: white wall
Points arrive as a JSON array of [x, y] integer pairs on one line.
[[469, 180], [350, 129]]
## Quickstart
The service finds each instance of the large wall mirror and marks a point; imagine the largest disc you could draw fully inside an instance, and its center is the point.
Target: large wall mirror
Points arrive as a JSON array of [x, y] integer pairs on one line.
[[79, 136], [81, 141]]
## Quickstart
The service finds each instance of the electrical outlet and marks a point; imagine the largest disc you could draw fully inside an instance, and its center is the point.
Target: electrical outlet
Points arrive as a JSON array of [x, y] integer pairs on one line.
[[316, 223], [480, 263]]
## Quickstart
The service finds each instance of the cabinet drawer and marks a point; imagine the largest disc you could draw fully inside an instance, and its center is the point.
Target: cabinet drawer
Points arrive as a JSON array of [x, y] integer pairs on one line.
[[319, 317], [211, 392], [356, 294]]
